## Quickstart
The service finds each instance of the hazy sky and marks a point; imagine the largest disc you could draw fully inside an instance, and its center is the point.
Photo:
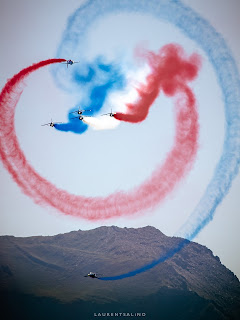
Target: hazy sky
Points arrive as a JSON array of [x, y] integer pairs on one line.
[[98, 163]]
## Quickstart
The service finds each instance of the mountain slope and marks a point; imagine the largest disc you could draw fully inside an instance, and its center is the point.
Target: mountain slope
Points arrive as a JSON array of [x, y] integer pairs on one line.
[[55, 266]]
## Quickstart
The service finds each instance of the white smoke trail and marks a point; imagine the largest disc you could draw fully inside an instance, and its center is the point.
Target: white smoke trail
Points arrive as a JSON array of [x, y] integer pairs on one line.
[[102, 122]]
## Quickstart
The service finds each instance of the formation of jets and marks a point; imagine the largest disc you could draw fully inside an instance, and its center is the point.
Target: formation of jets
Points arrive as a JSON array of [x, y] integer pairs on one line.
[[79, 112], [79, 116]]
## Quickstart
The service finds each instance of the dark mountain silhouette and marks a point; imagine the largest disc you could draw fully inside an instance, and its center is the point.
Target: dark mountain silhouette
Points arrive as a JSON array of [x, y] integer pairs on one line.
[[43, 277]]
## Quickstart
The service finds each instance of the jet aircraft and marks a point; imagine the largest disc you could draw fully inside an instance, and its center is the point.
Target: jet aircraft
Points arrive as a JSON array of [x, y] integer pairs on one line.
[[78, 117], [79, 111], [111, 114], [92, 275], [51, 124], [70, 62]]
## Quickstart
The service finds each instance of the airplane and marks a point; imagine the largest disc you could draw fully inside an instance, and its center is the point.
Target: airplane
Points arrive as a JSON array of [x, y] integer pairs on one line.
[[51, 124], [71, 62], [91, 275], [78, 117], [111, 114], [79, 111]]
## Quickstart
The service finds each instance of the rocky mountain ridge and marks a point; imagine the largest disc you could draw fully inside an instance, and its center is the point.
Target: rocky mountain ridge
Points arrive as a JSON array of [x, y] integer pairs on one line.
[[54, 267]]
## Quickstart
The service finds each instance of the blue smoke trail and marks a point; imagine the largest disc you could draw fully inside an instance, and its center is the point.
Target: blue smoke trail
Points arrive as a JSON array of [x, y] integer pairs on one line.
[[182, 243], [96, 80], [206, 37], [75, 126]]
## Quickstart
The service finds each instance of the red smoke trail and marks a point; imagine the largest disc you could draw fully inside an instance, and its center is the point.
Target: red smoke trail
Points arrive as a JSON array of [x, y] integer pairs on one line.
[[152, 191], [10, 151], [170, 71]]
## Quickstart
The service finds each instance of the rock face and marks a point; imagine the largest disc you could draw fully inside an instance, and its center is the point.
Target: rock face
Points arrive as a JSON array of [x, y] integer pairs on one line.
[[47, 274]]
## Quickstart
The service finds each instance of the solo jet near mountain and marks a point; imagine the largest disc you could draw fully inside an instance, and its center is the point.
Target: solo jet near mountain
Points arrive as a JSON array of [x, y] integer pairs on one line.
[[92, 275]]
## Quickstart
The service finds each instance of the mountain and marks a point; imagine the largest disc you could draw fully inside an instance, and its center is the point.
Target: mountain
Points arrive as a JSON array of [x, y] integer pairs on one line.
[[43, 277]]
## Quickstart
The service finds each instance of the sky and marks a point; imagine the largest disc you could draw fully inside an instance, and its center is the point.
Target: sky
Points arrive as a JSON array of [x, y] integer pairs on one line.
[[102, 162]]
